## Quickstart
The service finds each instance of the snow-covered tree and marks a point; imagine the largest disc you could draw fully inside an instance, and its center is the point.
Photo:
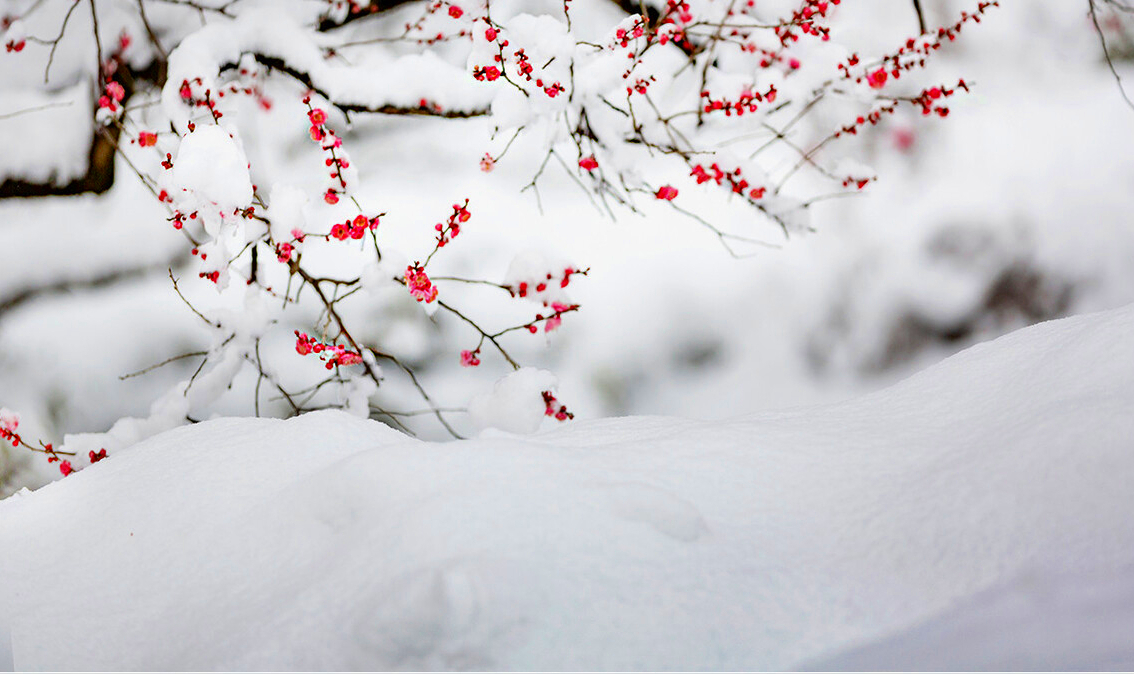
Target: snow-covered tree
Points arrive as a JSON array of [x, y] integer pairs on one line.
[[707, 107]]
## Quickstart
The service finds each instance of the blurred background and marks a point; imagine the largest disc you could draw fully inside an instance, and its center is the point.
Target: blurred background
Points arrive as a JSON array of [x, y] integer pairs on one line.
[[1013, 210]]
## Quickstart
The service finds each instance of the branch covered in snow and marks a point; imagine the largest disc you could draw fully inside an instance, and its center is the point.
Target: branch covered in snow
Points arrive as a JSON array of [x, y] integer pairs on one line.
[[700, 106]]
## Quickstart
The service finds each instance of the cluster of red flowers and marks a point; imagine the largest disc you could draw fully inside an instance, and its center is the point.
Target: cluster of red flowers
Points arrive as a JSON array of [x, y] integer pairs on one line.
[[191, 92], [552, 408], [330, 354], [554, 320], [489, 73], [641, 85], [915, 52], [332, 145], [857, 182], [927, 100], [929, 97], [747, 101], [15, 44], [352, 229], [454, 12], [449, 231], [624, 36], [524, 66], [419, 284], [9, 422], [112, 95], [718, 175], [804, 18], [469, 358], [872, 118], [525, 287], [178, 218]]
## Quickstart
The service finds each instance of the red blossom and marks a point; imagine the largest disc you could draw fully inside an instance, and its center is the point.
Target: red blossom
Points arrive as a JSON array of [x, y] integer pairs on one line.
[[419, 284]]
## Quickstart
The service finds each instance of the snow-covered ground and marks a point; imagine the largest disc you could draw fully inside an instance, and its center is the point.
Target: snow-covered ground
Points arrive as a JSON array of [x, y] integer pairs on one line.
[[962, 516]]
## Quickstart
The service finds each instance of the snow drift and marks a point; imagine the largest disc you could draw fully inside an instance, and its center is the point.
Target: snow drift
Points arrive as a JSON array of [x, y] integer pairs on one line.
[[768, 542]]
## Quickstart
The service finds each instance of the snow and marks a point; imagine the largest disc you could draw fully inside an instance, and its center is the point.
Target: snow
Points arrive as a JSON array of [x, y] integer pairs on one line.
[[212, 167], [378, 80], [769, 541], [514, 404], [1039, 621], [47, 135]]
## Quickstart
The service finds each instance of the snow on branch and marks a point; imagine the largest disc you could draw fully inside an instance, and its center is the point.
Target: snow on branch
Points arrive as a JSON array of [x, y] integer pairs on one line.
[[385, 84]]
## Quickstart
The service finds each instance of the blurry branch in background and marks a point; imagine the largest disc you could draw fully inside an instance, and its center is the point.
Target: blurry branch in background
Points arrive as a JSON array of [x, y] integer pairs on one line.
[[280, 65], [1106, 50], [67, 286], [920, 16], [98, 179]]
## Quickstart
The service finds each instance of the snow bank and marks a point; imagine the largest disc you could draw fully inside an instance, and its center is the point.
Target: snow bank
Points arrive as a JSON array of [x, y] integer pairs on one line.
[[1039, 621], [768, 542]]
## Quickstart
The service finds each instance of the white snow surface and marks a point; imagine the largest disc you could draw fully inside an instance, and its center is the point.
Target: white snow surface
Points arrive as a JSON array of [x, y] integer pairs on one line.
[[766, 542], [515, 403], [212, 166]]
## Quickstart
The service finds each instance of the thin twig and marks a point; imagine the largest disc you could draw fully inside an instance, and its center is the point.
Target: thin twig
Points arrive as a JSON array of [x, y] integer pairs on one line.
[[1106, 53]]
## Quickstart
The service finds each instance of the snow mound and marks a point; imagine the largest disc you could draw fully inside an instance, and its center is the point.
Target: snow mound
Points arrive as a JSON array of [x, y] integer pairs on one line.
[[769, 542], [1037, 622], [212, 166]]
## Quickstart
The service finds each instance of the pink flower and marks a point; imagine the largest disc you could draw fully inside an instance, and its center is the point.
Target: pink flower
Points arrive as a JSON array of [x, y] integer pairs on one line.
[[556, 319], [469, 359], [9, 420], [349, 358], [588, 163], [487, 163], [115, 91], [302, 343], [877, 79], [147, 139], [419, 285], [904, 138], [666, 192], [455, 11], [65, 468]]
